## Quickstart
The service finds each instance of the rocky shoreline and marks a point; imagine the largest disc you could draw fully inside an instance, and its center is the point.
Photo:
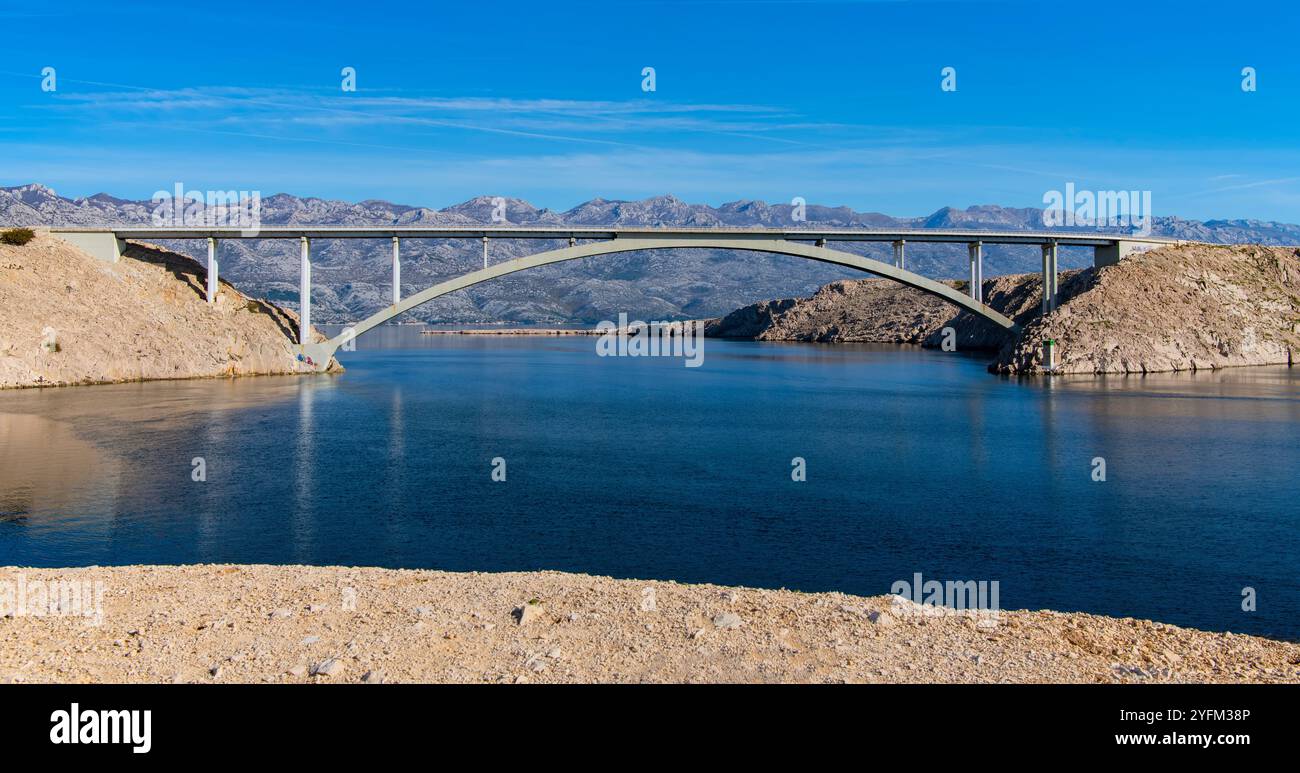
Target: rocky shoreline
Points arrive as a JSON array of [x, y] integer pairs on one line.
[[1185, 308], [295, 624], [67, 319]]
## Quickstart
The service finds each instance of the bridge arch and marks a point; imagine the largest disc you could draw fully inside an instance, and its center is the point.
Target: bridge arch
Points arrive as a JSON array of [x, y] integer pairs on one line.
[[321, 352]]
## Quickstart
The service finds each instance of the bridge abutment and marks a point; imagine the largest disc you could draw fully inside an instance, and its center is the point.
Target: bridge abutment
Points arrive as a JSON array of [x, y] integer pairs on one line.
[[104, 245], [1113, 253]]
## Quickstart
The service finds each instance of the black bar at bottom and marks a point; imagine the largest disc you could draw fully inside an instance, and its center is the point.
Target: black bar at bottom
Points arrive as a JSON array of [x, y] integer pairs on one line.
[[302, 722]]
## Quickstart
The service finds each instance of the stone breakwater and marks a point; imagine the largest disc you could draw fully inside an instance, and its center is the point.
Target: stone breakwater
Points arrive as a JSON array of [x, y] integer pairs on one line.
[[1190, 307], [215, 623], [67, 318]]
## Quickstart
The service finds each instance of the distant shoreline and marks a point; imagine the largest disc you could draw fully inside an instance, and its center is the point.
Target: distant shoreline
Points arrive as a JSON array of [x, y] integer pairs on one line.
[[547, 331], [514, 331]]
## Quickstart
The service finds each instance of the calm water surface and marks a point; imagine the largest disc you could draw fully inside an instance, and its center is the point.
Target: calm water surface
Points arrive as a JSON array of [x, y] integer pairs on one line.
[[917, 461]]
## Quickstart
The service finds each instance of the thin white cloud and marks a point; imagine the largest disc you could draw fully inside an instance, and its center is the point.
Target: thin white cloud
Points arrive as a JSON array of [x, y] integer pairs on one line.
[[557, 120], [1245, 186]]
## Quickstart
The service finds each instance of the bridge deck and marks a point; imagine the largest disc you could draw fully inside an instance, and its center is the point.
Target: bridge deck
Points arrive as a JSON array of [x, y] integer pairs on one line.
[[1064, 238]]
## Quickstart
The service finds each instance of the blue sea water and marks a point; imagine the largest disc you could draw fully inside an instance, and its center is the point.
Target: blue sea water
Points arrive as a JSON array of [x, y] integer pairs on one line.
[[916, 461]]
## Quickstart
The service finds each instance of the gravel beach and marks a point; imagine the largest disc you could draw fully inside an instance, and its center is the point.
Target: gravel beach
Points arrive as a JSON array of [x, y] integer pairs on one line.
[[222, 623]]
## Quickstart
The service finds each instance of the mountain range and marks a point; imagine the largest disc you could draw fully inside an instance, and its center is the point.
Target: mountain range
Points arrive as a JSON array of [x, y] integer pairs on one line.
[[352, 278]]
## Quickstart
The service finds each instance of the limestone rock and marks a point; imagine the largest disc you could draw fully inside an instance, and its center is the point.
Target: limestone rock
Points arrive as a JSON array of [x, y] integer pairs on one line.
[[727, 620], [527, 613]]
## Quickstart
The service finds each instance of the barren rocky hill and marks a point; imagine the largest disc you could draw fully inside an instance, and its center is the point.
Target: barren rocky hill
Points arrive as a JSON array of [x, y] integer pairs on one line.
[[67, 318], [1189, 307]]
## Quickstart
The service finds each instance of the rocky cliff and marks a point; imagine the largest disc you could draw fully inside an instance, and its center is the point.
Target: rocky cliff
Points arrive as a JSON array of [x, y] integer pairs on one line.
[[67, 318], [1190, 307]]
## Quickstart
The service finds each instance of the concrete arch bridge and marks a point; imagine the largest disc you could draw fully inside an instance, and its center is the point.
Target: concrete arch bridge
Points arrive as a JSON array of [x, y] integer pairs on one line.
[[107, 243]]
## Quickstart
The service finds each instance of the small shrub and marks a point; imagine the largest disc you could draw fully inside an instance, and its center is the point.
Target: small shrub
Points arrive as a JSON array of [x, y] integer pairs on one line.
[[17, 236]]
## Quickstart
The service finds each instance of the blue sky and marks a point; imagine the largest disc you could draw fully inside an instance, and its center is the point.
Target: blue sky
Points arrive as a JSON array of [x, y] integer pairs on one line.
[[836, 102]]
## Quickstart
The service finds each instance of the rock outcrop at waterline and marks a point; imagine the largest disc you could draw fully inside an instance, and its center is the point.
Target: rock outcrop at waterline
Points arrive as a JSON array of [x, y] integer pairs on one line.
[[67, 318], [1189, 307], [865, 310], [883, 311]]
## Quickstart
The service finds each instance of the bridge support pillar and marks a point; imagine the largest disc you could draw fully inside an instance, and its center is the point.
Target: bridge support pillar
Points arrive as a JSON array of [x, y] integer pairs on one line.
[[397, 271], [1056, 278], [976, 271], [212, 270], [898, 253], [1049, 276], [485, 241], [304, 295]]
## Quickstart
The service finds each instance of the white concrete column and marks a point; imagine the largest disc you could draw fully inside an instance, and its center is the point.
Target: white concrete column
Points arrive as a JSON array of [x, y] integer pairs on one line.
[[1047, 286], [485, 240], [397, 271], [976, 250], [899, 246], [1049, 276], [1056, 276], [304, 295], [213, 281]]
